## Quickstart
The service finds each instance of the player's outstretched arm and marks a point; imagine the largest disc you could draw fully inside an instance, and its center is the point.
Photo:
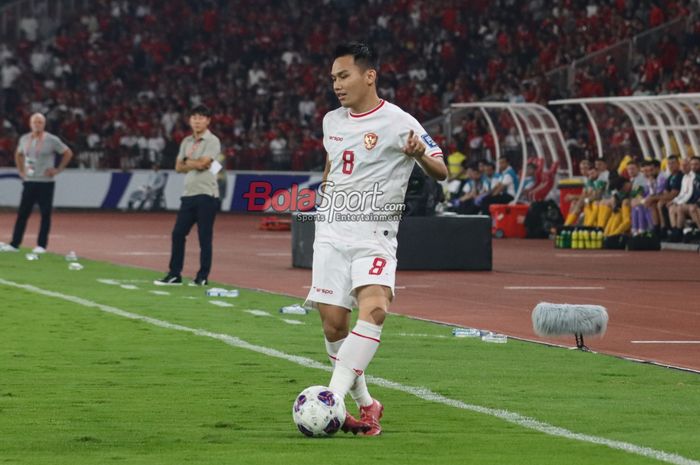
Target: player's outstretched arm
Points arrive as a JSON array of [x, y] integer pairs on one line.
[[434, 167]]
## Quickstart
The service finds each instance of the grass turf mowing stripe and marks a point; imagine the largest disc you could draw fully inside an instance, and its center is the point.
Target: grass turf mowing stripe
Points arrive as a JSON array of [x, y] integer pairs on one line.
[[420, 392]]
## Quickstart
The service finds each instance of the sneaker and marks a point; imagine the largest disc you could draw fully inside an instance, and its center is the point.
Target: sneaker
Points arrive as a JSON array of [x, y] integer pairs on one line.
[[8, 248], [353, 425], [199, 282], [38, 249], [169, 280], [371, 415]]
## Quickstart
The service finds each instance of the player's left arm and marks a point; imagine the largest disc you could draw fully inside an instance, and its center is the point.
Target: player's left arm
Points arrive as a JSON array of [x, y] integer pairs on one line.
[[434, 166], [67, 156]]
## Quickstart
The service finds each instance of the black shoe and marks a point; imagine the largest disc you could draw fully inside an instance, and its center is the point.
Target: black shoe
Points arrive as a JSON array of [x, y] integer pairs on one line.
[[199, 282], [169, 280]]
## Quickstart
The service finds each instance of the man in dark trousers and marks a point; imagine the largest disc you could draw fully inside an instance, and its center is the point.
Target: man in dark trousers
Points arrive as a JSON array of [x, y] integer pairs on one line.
[[35, 159], [199, 202]]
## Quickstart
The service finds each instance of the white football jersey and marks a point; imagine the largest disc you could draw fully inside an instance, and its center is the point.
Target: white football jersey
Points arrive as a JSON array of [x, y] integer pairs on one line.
[[369, 172]]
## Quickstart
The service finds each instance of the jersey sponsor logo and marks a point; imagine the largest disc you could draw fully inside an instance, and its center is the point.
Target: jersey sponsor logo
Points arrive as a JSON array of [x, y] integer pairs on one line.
[[336, 138], [371, 140], [428, 141]]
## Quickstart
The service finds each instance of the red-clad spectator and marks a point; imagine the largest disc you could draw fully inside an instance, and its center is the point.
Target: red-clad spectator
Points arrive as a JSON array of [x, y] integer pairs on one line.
[[656, 16]]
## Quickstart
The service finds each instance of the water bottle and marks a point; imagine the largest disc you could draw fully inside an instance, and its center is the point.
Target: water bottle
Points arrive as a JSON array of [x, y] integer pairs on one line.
[[71, 256], [219, 292], [295, 309], [466, 332]]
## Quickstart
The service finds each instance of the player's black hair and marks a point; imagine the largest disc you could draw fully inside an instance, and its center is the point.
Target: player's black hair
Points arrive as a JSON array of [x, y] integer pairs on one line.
[[618, 182], [365, 56], [655, 163], [200, 110]]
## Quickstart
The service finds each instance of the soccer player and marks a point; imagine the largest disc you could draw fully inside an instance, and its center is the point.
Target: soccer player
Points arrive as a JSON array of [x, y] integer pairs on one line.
[[35, 159], [199, 202], [372, 146]]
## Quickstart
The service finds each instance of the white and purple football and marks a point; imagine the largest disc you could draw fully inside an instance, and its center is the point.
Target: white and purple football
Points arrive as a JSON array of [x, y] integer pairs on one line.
[[318, 412]]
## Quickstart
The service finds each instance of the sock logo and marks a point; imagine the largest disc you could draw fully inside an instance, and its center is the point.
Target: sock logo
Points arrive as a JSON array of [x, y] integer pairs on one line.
[[358, 372]]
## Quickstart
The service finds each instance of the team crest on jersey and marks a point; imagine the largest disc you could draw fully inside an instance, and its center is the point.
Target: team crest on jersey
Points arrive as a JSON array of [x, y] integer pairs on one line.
[[371, 140], [429, 141]]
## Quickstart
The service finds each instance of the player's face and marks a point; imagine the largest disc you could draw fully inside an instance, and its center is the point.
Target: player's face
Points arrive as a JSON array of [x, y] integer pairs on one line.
[[695, 165], [199, 123], [632, 170], [37, 123], [673, 165], [584, 167], [351, 83]]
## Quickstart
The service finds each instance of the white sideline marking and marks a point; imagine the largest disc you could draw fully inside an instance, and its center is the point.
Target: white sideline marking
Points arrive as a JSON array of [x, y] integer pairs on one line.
[[139, 254], [293, 322], [130, 287], [553, 288], [665, 342], [160, 292], [258, 312], [420, 392], [421, 335], [110, 282], [220, 303]]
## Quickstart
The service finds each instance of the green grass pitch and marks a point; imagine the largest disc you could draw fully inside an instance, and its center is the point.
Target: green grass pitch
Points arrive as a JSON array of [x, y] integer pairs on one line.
[[81, 386]]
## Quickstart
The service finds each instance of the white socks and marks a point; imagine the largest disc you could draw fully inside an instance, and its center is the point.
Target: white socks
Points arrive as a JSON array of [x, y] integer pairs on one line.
[[352, 356]]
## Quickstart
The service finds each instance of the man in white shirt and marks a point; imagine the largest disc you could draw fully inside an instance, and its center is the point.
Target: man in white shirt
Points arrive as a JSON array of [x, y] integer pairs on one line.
[[679, 207]]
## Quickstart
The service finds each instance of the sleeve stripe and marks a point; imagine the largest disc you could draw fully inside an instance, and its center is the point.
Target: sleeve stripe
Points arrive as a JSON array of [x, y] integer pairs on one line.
[[435, 154]]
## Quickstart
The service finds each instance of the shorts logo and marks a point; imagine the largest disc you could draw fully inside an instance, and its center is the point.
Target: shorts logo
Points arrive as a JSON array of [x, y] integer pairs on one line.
[[323, 291], [429, 141], [336, 138], [371, 140]]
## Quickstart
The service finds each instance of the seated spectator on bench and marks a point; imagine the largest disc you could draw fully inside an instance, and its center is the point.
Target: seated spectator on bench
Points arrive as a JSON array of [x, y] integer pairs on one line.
[[685, 204], [503, 185], [671, 189], [620, 218], [472, 188], [592, 192], [644, 212]]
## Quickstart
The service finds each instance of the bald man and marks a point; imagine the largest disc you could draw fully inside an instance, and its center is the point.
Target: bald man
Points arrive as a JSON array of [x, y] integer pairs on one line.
[[35, 159]]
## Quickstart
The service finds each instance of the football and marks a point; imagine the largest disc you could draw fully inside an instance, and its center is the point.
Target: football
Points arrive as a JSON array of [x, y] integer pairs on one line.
[[318, 412]]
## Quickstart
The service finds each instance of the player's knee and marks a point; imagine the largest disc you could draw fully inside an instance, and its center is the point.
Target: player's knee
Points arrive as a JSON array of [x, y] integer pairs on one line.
[[334, 331], [374, 313]]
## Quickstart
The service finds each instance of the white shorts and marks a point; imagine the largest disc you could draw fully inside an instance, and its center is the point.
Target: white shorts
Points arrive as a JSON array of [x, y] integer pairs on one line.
[[339, 268]]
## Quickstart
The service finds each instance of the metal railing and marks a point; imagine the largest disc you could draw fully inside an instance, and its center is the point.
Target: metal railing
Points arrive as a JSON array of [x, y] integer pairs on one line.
[[627, 55]]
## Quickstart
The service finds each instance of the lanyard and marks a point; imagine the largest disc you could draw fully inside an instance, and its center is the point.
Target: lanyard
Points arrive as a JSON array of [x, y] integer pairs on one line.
[[37, 146], [193, 148]]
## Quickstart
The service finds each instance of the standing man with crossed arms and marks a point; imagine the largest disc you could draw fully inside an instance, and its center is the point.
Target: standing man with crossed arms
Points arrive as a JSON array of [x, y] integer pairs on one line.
[[199, 202], [372, 146], [35, 160]]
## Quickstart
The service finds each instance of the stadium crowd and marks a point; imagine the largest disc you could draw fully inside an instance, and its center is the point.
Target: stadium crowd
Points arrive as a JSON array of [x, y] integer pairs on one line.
[[116, 81]]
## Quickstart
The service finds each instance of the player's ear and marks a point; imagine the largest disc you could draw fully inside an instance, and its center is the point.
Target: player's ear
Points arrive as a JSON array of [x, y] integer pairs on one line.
[[370, 76]]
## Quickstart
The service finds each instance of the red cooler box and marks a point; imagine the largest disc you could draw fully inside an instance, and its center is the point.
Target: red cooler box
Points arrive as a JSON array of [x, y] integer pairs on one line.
[[566, 187], [508, 220]]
